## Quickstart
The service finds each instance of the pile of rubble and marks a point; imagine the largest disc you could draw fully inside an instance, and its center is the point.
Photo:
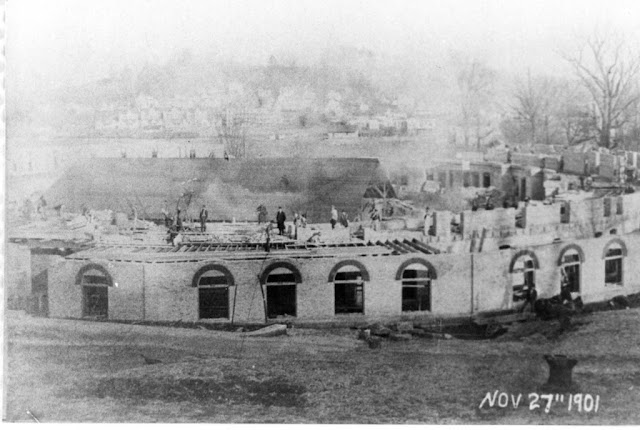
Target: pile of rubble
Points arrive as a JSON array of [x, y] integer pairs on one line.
[[400, 331]]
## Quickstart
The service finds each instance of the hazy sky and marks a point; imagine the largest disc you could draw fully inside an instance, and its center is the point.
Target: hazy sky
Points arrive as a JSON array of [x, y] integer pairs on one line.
[[51, 42]]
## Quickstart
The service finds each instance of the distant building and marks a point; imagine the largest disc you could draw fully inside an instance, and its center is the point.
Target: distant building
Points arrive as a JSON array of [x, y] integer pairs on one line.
[[520, 182], [342, 131]]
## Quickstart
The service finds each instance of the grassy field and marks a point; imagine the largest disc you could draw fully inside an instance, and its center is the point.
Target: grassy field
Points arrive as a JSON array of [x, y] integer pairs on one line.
[[81, 371]]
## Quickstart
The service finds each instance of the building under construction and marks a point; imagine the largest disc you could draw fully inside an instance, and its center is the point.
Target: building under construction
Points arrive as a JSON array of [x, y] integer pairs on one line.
[[457, 264]]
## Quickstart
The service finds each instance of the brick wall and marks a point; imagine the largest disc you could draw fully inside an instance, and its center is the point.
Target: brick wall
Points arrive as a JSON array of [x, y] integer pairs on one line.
[[164, 292], [442, 223], [552, 163], [539, 214], [573, 162], [498, 218], [521, 159], [609, 166]]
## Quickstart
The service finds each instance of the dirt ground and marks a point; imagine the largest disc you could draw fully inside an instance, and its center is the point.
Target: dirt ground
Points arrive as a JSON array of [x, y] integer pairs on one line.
[[83, 371]]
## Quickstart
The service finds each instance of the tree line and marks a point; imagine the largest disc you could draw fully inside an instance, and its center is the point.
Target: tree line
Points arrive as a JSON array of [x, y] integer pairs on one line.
[[600, 103]]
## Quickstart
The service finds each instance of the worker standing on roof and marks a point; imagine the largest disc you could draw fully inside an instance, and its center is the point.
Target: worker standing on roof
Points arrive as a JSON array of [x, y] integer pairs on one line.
[[262, 214], [178, 221], [375, 217], [428, 220], [280, 219], [267, 241], [296, 224], [344, 219], [204, 214], [334, 217]]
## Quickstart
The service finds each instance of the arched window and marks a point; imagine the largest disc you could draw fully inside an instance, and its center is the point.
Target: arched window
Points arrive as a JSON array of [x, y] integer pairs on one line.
[[280, 283], [523, 278], [95, 282], [416, 288], [570, 263], [349, 290], [213, 294], [613, 257]]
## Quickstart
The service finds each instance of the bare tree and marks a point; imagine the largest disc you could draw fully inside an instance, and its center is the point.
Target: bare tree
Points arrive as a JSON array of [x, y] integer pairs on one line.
[[575, 119], [535, 100], [475, 84], [609, 71], [231, 128]]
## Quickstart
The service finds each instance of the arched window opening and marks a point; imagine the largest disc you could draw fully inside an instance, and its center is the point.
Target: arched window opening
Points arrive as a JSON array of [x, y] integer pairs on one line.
[[95, 294], [613, 265], [281, 293], [213, 295], [349, 290], [523, 279], [570, 271], [416, 288]]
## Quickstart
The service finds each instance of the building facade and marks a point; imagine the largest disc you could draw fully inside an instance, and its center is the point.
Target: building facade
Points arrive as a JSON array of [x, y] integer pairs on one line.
[[245, 284]]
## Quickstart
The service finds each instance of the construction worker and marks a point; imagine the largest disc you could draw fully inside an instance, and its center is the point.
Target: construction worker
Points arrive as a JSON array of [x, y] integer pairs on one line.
[[204, 214], [334, 217], [178, 221], [267, 242], [344, 219], [280, 219]]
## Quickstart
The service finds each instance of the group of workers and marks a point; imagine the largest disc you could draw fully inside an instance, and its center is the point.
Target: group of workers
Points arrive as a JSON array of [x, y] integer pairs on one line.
[[343, 219], [176, 224]]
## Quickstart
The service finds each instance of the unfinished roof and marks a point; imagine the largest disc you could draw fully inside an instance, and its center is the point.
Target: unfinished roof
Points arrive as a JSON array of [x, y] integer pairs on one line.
[[230, 189], [247, 251]]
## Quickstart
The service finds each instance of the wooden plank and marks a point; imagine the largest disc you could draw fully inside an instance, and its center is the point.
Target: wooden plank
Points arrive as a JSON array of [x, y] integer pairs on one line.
[[395, 247], [482, 237], [407, 249], [427, 248]]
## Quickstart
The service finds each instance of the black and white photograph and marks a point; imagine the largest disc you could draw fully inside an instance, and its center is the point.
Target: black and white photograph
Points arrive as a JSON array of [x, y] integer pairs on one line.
[[321, 212]]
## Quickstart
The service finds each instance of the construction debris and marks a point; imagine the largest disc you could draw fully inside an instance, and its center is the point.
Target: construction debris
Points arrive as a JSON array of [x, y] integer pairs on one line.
[[269, 331]]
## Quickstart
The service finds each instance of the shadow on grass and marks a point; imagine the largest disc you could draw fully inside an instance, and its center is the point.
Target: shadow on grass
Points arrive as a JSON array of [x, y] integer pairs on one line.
[[234, 389]]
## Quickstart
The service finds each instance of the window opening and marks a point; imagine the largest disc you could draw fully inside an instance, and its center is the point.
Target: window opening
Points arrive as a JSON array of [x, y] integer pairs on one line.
[[570, 271], [613, 265], [349, 291], [281, 293], [213, 295], [486, 180], [523, 279], [95, 295], [466, 179], [416, 289], [607, 207]]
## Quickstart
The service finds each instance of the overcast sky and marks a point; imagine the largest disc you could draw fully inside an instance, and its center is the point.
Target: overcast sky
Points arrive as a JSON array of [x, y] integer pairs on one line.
[[50, 43]]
